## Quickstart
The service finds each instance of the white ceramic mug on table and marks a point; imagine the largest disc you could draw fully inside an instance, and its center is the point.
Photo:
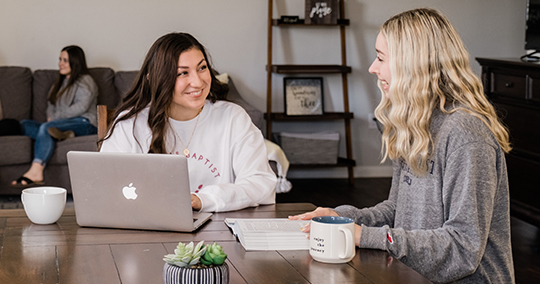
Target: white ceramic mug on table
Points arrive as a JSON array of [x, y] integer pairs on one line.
[[44, 204], [331, 239]]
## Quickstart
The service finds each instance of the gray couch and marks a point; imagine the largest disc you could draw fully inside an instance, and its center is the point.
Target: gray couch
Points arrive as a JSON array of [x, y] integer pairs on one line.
[[23, 95]]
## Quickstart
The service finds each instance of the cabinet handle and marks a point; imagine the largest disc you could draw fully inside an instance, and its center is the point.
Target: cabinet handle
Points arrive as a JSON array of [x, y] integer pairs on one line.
[[509, 85]]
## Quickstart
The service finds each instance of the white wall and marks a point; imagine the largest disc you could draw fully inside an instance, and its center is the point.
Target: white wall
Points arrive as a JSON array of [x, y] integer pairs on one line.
[[117, 34]]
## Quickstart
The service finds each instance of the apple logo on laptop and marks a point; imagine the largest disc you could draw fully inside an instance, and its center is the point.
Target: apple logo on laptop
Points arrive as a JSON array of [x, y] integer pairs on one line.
[[129, 191]]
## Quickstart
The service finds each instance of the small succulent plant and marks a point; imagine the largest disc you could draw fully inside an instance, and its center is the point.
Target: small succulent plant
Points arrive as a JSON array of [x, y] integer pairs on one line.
[[214, 255], [186, 255], [190, 255]]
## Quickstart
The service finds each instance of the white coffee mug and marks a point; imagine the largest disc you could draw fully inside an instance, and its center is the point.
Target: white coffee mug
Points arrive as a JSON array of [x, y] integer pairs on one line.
[[44, 204], [331, 239]]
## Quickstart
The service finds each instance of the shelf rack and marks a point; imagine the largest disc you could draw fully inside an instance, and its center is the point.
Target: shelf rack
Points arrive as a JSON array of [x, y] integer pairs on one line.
[[342, 69]]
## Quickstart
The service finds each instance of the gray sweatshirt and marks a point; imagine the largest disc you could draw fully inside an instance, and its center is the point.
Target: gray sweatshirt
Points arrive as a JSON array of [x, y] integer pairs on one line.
[[79, 100], [453, 224]]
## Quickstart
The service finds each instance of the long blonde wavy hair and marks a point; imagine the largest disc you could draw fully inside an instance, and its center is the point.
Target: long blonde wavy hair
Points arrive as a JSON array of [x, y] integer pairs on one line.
[[430, 69]]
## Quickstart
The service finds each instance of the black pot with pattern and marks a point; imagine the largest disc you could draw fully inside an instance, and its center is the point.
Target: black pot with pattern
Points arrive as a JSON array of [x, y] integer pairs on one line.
[[218, 274]]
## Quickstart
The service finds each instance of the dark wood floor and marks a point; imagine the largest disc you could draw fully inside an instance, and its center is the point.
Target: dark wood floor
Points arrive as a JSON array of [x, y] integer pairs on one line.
[[370, 191]]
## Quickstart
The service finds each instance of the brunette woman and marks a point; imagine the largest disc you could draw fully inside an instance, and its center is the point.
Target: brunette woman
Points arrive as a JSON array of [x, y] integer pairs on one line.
[[71, 111], [178, 107]]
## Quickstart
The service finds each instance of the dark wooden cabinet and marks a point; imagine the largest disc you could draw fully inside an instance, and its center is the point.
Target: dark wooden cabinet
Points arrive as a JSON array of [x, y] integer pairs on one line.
[[513, 87]]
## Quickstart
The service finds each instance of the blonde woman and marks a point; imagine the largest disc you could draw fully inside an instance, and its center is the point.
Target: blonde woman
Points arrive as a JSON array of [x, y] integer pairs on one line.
[[447, 215]]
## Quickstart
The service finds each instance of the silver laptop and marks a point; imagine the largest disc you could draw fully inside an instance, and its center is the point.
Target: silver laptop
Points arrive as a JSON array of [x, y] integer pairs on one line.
[[132, 191]]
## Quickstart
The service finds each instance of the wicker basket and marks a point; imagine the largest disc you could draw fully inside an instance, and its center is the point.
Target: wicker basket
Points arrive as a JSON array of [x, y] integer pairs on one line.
[[310, 148]]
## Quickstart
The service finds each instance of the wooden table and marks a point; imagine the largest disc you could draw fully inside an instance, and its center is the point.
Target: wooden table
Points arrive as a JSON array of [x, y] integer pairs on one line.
[[66, 253]]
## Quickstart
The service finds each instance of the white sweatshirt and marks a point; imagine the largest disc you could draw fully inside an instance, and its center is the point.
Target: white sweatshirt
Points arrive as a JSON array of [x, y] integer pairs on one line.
[[228, 162]]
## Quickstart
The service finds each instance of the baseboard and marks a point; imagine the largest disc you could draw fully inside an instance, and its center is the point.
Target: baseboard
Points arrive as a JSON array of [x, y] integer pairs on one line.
[[373, 172], [359, 172]]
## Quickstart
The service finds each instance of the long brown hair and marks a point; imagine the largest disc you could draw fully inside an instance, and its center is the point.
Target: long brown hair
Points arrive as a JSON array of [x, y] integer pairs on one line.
[[77, 63], [154, 86]]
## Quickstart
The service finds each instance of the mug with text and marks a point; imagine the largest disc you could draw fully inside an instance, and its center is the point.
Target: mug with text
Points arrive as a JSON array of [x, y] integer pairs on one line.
[[331, 239], [44, 204]]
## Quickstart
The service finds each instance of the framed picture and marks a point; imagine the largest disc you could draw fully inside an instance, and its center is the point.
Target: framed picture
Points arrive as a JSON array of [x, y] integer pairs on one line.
[[303, 96], [321, 12]]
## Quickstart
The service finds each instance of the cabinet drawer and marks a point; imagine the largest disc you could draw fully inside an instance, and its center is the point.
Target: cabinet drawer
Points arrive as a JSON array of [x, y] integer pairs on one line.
[[534, 83], [523, 124], [523, 180], [508, 85]]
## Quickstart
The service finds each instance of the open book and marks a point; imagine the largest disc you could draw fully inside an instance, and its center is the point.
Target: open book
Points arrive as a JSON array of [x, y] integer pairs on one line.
[[270, 234]]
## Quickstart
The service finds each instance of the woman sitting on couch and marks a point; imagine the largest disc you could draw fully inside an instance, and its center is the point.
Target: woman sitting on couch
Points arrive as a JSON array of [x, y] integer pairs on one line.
[[71, 111]]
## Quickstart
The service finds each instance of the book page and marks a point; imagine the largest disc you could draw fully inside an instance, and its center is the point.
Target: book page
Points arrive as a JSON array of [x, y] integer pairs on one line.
[[272, 225], [270, 234]]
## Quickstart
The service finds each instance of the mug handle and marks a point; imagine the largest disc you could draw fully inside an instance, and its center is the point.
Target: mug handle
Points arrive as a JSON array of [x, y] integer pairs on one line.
[[348, 240]]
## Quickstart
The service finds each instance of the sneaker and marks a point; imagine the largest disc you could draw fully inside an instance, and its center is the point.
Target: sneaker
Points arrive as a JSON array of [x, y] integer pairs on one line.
[[59, 135]]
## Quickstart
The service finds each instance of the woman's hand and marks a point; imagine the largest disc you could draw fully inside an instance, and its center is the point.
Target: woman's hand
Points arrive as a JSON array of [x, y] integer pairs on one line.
[[195, 202], [320, 211]]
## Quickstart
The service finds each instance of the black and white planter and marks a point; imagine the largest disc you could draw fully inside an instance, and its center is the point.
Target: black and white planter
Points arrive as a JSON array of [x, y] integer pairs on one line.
[[173, 274]]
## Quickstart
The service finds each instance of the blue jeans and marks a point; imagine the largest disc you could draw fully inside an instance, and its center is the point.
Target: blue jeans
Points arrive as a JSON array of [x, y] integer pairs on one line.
[[45, 144]]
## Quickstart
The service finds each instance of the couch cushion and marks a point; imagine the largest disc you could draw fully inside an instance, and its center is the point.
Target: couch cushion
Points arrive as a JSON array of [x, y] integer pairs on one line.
[[235, 97], [15, 150], [104, 78], [123, 81], [16, 92], [80, 143], [43, 81]]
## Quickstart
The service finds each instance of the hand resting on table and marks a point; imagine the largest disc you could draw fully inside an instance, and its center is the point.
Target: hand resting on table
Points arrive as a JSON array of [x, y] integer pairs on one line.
[[323, 211]]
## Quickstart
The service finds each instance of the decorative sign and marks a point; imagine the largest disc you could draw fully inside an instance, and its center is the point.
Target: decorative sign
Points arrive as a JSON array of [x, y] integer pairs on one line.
[[303, 96], [321, 11], [289, 20]]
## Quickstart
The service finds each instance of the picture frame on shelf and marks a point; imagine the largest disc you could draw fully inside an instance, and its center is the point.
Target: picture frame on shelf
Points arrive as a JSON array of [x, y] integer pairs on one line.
[[303, 95], [321, 12]]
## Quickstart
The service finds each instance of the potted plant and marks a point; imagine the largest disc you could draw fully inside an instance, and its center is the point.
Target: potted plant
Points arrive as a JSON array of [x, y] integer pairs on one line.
[[196, 264]]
